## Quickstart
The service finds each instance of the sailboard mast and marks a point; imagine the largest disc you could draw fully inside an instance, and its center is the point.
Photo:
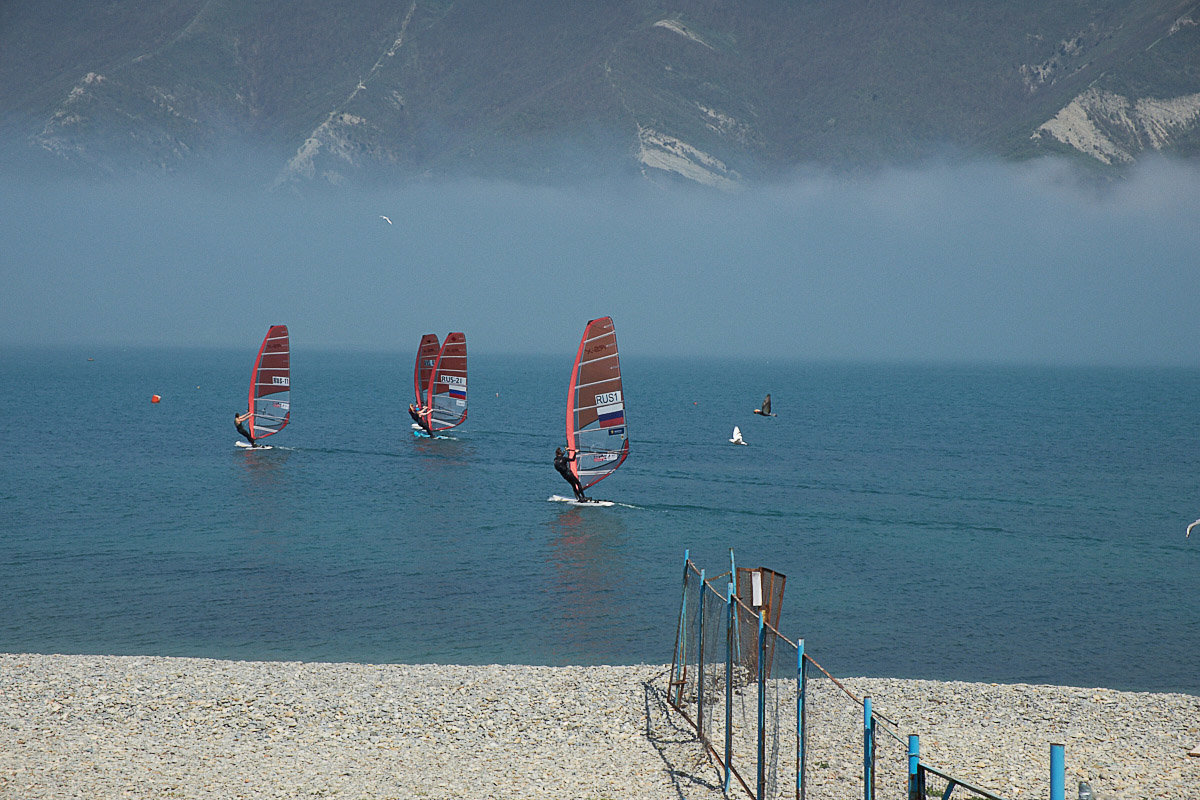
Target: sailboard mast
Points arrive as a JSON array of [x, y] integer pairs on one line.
[[271, 384], [596, 428], [447, 390]]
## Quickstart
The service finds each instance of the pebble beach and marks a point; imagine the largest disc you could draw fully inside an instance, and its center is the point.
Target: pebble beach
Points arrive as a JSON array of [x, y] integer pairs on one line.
[[150, 727]]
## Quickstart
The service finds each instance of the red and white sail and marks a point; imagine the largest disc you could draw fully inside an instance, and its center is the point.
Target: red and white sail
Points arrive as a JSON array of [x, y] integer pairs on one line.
[[596, 425], [447, 392], [427, 353], [271, 384]]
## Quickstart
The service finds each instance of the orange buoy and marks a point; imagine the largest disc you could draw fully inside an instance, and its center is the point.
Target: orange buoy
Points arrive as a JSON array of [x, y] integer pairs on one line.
[[155, 398]]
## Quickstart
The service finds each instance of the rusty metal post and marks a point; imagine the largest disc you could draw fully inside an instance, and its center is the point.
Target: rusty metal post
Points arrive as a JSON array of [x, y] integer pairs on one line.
[[676, 688], [700, 663]]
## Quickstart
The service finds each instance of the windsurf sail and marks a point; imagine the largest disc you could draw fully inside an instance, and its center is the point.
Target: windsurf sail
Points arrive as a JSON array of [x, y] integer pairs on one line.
[[447, 392], [271, 384], [427, 353], [596, 428]]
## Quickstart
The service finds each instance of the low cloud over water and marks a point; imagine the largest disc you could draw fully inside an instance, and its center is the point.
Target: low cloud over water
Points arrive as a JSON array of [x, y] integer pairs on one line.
[[965, 262]]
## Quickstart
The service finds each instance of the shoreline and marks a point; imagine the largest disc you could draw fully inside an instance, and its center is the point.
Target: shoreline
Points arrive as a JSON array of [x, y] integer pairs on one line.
[[120, 726]]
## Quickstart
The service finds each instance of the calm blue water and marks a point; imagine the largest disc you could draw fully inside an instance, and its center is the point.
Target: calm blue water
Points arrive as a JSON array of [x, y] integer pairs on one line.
[[986, 523]]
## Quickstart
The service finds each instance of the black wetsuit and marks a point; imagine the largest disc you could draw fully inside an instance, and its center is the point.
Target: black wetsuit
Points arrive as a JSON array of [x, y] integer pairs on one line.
[[242, 430], [412, 412], [563, 465]]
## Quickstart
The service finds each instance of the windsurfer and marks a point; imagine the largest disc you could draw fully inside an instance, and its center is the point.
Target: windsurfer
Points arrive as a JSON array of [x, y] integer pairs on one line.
[[238, 419], [419, 416], [562, 463]]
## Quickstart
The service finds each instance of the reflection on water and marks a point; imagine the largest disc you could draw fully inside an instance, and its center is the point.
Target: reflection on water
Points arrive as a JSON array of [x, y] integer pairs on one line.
[[589, 576], [263, 473], [265, 489], [263, 466], [444, 452]]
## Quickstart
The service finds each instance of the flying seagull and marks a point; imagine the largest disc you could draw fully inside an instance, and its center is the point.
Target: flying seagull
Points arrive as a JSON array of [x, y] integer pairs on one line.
[[1189, 529], [765, 411], [385, 219], [737, 438]]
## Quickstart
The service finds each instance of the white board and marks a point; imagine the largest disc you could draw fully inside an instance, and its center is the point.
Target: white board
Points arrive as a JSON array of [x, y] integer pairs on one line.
[[557, 498]]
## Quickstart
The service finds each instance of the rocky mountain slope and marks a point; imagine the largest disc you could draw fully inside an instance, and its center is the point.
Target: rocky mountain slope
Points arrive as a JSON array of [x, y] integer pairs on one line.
[[716, 93]]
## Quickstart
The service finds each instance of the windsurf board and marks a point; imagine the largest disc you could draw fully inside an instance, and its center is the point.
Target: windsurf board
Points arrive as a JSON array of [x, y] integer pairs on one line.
[[557, 498]]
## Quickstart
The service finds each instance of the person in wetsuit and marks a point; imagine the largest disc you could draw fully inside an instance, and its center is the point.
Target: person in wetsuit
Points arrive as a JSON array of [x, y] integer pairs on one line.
[[562, 463], [415, 413], [238, 419]]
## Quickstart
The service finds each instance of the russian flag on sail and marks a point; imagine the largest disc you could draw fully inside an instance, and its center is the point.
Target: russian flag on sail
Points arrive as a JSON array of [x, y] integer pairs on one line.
[[611, 415], [458, 394]]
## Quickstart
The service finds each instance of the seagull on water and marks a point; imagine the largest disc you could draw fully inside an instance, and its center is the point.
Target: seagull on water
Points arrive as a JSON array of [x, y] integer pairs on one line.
[[737, 438], [385, 219], [1189, 529]]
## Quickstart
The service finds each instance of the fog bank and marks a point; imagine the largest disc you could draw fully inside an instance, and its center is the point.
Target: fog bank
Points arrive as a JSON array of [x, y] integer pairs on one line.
[[978, 262]]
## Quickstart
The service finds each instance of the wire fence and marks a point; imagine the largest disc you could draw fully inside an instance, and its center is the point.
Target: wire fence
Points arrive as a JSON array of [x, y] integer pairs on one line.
[[753, 695]]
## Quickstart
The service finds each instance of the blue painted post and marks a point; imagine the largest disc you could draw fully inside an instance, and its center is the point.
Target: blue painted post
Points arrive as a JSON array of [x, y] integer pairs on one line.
[[868, 748], [914, 761], [800, 686], [1058, 772], [729, 686], [737, 634], [680, 637], [700, 663], [762, 706]]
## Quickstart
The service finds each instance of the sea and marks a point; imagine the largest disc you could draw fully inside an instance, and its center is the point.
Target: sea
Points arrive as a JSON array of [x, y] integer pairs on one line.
[[950, 522]]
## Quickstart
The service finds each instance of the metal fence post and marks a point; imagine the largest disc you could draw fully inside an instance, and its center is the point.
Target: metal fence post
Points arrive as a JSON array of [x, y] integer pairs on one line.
[[729, 684], [681, 637], [762, 706], [868, 749], [800, 719], [874, 742], [700, 663], [914, 760], [1058, 772]]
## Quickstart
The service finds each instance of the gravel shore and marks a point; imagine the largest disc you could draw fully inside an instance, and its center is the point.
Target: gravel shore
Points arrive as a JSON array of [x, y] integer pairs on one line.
[[103, 727]]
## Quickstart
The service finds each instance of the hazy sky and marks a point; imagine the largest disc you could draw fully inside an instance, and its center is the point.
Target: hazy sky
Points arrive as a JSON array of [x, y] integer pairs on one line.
[[979, 262]]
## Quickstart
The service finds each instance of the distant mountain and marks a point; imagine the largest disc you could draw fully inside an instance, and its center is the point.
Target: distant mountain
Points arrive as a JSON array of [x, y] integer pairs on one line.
[[719, 93]]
